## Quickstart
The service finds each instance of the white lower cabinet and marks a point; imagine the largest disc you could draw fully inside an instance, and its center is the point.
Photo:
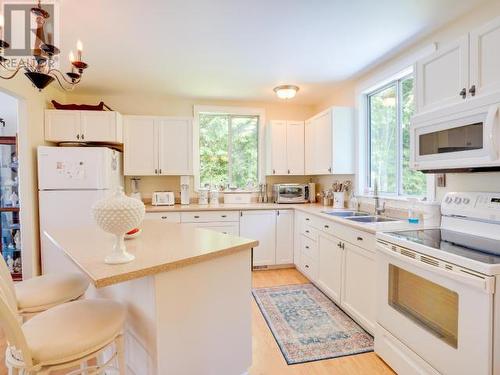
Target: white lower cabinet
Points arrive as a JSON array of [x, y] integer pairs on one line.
[[284, 237], [261, 226], [226, 222], [330, 266], [358, 285], [274, 231]]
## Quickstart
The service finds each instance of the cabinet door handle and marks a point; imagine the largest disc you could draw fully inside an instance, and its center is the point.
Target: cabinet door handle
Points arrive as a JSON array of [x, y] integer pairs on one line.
[[163, 217], [463, 93], [339, 245], [289, 171], [307, 231], [274, 171], [343, 245], [307, 247], [360, 238], [472, 90], [196, 217], [307, 266], [326, 226], [78, 136], [223, 215], [159, 171], [307, 219], [330, 169], [156, 171], [83, 136]]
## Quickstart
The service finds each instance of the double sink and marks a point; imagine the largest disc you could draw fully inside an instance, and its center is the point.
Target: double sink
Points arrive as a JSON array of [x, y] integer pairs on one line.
[[359, 216]]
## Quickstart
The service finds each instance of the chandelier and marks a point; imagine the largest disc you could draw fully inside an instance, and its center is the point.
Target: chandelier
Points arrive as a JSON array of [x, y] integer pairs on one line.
[[40, 69]]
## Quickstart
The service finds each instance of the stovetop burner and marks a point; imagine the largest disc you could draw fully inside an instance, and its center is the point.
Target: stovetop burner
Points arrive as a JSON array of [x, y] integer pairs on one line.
[[480, 249]]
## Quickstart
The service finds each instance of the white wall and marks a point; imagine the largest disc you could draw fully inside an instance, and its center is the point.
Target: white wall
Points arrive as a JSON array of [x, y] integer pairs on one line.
[[8, 112]]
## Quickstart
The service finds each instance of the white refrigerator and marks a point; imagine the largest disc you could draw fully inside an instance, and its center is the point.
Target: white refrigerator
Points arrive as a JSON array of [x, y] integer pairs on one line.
[[70, 180]]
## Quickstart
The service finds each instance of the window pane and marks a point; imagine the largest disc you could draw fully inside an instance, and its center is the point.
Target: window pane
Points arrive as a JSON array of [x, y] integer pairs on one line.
[[384, 140], [214, 161], [414, 182], [244, 151]]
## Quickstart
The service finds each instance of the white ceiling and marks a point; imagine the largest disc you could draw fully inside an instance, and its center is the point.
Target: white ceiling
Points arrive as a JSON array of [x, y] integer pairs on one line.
[[235, 49]]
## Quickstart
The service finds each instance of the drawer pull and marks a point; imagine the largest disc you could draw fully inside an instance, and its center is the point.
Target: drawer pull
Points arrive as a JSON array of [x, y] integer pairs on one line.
[[326, 226], [164, 217], [307, 231], [223, 215], [360, 238], [307, 247], [307, 266], [307, 219], [196, 217]]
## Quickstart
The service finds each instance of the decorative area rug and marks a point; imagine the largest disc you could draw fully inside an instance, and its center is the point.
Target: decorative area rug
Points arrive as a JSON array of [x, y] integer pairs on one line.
[[308, 326]]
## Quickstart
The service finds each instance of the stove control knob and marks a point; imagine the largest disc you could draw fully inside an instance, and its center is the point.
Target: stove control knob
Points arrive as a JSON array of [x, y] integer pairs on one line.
[[458, 200], [448, 200], [466, 200]]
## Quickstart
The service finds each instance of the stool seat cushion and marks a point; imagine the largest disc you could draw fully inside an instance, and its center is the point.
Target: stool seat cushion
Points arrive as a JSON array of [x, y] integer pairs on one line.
[[42, 292], [72, 330]]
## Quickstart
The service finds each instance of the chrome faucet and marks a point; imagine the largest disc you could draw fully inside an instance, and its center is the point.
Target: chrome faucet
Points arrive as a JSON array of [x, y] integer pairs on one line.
[[378, 210]]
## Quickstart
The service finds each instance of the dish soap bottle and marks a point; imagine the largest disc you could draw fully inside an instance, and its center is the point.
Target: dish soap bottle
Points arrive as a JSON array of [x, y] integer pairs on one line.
[[412, 211]]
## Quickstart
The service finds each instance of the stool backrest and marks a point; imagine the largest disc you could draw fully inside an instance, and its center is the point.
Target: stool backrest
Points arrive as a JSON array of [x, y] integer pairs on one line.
[[11, 326], [7, 285]]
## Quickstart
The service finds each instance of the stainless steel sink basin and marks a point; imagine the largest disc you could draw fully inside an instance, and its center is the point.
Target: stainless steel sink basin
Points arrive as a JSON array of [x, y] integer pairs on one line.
[[345, 213], [370, 219]]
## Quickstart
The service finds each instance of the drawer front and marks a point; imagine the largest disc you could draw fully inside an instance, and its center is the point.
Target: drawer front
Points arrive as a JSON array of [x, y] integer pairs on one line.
[[311, 220], [209, 216], [310, 232], [309, 267], [309, 248], [357, 237], [328, 227], [168, 217], [232, 229]]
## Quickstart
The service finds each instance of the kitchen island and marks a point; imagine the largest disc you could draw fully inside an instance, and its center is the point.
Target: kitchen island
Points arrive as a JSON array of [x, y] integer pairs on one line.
[[188, 295]]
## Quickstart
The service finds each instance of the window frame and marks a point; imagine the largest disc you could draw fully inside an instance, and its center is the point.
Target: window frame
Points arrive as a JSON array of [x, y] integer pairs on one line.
[[397, 83], [228, 111]]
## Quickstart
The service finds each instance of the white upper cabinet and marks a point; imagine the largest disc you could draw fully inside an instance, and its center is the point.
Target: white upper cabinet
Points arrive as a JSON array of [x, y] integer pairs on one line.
[[279, 164], [175, 146], [442, 78], [157, 146], [329, 147], [485, 59], [286, 147], [83, 126], [295, 147], [466, 70], [140, 146]]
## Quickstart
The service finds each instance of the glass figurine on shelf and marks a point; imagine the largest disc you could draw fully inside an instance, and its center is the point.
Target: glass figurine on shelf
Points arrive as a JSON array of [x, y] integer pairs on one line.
[[17, 240], [10, 264]]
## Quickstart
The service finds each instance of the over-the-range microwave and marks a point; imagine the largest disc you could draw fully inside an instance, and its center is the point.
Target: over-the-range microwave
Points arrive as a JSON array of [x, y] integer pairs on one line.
[[461, 142]]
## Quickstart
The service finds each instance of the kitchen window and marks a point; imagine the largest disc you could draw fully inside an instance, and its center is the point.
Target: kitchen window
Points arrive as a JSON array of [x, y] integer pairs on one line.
[[228, 149], [390, 109]]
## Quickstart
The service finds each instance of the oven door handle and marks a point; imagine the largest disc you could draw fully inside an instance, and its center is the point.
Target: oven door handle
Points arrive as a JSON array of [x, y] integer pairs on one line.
[[483, 283]]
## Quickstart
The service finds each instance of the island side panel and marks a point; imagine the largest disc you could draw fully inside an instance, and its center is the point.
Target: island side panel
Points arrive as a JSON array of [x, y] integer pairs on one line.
[[138, 296], [204, 317]]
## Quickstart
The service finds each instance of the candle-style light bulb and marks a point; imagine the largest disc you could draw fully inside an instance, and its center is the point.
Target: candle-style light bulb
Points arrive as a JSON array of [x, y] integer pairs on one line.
[[71, 57], [79, 48], [1, 26]]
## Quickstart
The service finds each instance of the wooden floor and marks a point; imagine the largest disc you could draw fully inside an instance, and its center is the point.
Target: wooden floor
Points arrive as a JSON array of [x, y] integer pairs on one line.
[[267, 357]]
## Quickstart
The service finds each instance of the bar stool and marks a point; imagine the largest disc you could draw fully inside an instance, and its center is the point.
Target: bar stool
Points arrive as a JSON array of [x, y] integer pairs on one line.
[[63, 337], [42, 292]]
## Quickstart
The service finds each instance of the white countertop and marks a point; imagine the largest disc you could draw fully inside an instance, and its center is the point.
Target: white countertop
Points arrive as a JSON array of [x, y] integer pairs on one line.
[[308, 208], [159, 248]]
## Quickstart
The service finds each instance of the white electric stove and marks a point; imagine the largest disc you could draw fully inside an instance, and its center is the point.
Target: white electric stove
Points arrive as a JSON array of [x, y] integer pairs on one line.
[[437, 310]]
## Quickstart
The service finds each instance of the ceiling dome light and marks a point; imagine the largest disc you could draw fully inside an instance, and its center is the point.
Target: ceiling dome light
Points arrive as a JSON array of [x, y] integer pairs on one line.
[[286, 91]]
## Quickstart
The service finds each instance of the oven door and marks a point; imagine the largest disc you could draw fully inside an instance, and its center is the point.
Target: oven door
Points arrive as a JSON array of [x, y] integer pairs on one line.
[[465, 140], [441, 312]]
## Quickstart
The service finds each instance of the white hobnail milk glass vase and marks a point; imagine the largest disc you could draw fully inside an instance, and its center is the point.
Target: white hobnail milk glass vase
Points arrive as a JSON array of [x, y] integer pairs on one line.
[[118, 214]]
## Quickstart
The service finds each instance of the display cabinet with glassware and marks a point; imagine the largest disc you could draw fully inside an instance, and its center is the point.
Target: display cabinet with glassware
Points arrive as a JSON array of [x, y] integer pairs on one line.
[[10, 229]]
